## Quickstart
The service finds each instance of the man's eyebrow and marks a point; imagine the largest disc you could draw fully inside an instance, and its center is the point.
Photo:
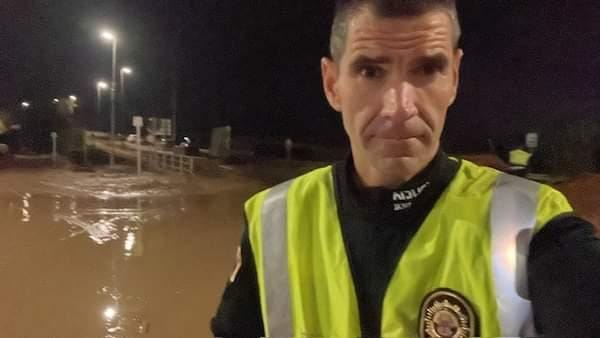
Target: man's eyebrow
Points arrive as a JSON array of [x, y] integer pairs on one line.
[[439, 59], [363, 59]]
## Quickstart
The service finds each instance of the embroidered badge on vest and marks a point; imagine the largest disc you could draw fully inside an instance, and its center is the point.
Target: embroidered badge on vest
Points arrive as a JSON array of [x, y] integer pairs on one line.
[[447, 314]]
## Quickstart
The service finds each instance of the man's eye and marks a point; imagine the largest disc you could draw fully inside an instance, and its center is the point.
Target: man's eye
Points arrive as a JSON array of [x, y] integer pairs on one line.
[[429, 69], [371, 72]]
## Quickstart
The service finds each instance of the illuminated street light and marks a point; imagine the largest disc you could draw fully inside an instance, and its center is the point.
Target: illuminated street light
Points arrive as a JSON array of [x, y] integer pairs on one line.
[[25, 104], [107, 35], [124, 71], [55, 100], [102, 85], [73, 98]]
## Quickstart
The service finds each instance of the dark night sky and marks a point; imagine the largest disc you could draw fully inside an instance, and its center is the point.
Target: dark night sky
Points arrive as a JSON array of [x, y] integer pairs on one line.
[[529, 65]]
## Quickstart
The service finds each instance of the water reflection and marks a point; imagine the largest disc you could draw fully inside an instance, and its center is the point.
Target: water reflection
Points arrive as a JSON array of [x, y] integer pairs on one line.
[[109, 313], [129, 242], [82, 262], [25, 210], [114, 215], [123, 315], [73, 206], [133, 245], [118, 185], [104, 225]]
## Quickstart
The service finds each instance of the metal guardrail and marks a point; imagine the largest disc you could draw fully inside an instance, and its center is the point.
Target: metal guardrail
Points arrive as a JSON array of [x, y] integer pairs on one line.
[[153, 158], [165, 160]]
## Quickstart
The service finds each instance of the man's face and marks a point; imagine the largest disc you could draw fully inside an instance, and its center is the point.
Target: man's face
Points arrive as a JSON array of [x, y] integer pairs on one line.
[[393, 85]]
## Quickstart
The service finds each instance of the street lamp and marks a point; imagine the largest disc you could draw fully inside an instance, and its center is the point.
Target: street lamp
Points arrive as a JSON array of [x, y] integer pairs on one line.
[[55, 101], [109, 36], [25, 104], [100, 86], [73, 98], [124, 71]]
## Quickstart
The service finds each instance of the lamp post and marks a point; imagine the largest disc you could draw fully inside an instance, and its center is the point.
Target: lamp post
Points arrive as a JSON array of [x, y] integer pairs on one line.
[[124, 71], [109, 36], [100, 86]]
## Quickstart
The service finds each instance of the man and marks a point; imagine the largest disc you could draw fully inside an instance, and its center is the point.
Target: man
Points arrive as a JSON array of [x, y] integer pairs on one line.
[[400, 240]]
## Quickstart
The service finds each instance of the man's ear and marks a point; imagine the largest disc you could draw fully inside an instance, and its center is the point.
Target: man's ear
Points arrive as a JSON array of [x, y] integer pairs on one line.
[[458, 55], [329, 74]]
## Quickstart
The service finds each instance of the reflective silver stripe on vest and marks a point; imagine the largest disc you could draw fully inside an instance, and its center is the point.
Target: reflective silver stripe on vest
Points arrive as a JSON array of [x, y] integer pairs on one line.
[[512, 220], [275, 261]]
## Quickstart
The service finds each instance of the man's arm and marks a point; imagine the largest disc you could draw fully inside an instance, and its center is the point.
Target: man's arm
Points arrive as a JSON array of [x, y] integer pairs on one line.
[[239, 312], [564, 278]]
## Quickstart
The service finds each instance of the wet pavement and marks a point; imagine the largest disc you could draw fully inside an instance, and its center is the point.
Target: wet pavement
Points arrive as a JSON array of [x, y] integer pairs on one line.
[[109, 254]]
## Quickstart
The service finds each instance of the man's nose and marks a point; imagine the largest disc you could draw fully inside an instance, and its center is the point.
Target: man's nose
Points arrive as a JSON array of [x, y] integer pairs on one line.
[[399, 102]]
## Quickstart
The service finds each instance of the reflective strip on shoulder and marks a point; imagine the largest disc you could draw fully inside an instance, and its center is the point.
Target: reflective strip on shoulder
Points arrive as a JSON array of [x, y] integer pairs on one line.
[[275, 261], [512, 217]]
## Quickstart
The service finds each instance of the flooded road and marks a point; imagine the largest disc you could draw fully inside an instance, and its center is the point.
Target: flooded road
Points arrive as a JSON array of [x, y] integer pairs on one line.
[[113, 255]]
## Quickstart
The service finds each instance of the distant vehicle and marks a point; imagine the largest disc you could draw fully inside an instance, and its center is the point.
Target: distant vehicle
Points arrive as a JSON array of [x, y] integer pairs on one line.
[[163, 142], [191, 148], [132, 138], [186, 142]]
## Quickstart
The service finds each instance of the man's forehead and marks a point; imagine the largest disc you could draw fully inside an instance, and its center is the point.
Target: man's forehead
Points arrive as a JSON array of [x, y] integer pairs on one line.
[[432, 26]]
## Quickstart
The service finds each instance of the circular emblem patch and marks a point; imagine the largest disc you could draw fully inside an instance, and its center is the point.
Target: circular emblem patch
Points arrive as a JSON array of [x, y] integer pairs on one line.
[[447, 314]]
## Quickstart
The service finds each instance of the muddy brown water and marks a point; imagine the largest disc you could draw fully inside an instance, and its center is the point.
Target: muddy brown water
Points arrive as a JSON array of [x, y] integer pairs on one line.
[[114, 255], [108, 254]]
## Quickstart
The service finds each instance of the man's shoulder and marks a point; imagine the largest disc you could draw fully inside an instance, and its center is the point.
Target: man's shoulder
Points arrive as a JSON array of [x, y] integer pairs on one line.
[[473, 175], [475, 170], [550, 202], [473, 178], [304, 184]]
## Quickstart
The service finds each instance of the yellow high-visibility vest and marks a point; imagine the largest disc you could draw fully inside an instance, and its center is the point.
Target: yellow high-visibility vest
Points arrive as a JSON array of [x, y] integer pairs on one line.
[[519, 157], [464, 267]]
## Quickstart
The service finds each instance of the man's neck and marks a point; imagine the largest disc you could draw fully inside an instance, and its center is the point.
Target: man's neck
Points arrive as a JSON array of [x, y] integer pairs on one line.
[[399, 201], [367, 176]]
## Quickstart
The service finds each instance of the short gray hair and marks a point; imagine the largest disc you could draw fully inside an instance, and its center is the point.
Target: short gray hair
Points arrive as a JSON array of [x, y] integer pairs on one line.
[[345, 9]]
